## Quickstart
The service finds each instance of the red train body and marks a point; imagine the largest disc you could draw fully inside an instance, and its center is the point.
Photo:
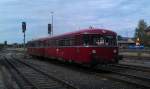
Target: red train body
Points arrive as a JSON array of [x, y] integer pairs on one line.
[[89, 46]]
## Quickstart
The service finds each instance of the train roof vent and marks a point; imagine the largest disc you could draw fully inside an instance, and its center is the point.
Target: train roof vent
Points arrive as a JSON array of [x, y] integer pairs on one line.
[[91, 27]]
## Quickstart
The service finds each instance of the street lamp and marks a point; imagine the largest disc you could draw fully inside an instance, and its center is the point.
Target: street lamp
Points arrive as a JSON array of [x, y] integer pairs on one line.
[[52, 23]]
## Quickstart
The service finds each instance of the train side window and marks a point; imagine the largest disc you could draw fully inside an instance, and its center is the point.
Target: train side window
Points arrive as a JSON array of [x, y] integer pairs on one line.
[[71, 42], [33, 44], [57, 42], [78, 40], [54, 42], [60, 42], [66, 42], [50, 42], [39, 44]]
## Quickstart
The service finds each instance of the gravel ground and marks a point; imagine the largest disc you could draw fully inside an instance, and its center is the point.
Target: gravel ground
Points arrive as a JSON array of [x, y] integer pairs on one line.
[[135, 61], [2, 86], [136, 58], [76, 77], [80, 79]]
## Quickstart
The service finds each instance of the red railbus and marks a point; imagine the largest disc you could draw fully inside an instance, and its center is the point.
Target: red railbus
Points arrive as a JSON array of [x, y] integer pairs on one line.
[[88, 46]]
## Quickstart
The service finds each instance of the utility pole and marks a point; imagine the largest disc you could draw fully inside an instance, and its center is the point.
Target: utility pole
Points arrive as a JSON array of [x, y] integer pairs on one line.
[[24, 40], [24, 35]]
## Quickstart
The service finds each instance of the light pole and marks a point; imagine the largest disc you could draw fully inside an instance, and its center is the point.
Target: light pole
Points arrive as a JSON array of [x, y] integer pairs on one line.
[[52, 23]]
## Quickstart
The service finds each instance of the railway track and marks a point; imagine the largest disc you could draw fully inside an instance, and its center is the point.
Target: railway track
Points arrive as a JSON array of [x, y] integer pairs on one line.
[[122, 73], [136, 57], [134, 67], [116, 73], [29, 77], [135, 50], [130, 74]]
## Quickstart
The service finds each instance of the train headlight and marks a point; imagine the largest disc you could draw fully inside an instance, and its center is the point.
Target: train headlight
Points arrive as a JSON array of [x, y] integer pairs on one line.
[[114, 51], [93, 51]]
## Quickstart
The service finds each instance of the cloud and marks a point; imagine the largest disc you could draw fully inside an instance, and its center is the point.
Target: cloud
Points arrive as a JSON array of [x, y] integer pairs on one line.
[[121, 16]]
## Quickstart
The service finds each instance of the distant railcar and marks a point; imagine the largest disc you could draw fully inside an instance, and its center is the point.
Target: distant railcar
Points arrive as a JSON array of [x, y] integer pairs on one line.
[[88, 46]]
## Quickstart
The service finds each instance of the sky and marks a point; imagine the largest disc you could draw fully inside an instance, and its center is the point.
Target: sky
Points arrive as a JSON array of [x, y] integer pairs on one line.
[[121, 16]]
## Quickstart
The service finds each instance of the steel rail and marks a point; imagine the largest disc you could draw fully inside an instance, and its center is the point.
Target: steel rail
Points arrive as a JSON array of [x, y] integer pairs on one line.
[[134, 67], [145, 82], [22, 82], [68, 85]]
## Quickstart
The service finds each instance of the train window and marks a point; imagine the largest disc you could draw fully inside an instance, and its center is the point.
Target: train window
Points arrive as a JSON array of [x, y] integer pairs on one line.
[[78, 40], [57, 42], [37, 44], [33, 44], [61, 42], [103, 40], [72, 42], [54, 42], [111, 40], [50, 42], [86, 40], [98, 40], [66, 42]]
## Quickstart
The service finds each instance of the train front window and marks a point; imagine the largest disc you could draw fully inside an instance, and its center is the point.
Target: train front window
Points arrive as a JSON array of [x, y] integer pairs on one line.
[[86, 40], [97, 40], [100, 40]]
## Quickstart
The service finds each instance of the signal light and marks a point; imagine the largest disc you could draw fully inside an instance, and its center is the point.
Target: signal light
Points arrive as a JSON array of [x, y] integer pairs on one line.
[[49, 28], [23, 27]]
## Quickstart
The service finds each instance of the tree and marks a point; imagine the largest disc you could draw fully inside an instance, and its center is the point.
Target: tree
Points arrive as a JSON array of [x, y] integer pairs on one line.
[[140, 31]]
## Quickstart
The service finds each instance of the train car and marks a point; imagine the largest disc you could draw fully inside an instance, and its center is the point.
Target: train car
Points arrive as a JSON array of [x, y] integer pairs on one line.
[[88, 46]]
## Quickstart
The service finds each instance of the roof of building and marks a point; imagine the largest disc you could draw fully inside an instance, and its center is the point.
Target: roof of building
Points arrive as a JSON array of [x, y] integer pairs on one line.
[[147, 29], [126, 42]]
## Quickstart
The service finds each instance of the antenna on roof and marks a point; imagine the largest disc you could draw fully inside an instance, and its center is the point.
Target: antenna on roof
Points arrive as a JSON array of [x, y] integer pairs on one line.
[[90, 27]]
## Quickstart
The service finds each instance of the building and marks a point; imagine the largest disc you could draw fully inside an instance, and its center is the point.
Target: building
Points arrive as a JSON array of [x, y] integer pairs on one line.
[[147, 31], [125, 42]]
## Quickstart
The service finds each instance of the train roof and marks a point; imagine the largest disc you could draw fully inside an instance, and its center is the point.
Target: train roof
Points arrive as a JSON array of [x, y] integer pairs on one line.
[[83, 31]]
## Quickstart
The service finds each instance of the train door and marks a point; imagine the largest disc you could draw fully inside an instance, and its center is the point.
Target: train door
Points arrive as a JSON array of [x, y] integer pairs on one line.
[[45, 47], [77, 48]]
